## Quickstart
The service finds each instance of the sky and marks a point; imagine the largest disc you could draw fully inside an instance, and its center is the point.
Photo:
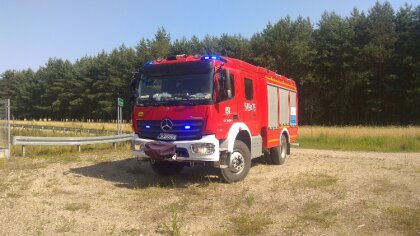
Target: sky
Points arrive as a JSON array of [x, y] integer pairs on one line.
[[33, 31]]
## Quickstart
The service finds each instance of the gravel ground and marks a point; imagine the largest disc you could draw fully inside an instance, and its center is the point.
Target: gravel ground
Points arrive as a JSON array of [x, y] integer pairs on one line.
[[314, 192]]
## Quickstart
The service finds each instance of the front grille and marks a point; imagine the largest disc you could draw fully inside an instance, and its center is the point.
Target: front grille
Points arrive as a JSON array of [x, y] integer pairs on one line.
[[195, 131]]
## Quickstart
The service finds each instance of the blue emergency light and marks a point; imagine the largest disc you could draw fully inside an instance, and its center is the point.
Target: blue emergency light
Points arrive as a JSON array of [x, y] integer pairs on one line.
[[217, 58]]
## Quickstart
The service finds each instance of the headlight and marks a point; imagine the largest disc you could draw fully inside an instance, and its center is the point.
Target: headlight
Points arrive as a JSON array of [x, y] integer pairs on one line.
[[137, 146], [202, 148]]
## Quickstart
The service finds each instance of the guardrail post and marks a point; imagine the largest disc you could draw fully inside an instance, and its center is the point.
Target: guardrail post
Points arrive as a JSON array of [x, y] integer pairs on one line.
[[114, 145], [79, 148], [23, 150]]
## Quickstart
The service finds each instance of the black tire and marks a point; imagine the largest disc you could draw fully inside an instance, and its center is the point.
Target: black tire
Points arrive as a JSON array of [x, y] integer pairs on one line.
[[240, 163], [166, 168], [278, 154]]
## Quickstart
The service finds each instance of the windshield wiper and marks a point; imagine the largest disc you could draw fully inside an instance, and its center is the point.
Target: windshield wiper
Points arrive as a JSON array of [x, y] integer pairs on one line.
[[177, 102], [150, 103], [186, 102]]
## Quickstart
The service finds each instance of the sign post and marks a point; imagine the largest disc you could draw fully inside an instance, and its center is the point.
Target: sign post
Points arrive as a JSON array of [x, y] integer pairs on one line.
[[8, 129], [120, 103], [5, 138]]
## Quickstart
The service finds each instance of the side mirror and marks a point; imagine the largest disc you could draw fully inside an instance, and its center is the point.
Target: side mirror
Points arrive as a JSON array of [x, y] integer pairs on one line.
[[134, 96], [134, 85], [225, 85], [228, 84]]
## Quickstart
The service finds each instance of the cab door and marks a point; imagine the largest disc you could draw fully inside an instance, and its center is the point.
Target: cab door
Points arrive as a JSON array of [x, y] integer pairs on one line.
[[248, 109], [227, 105]]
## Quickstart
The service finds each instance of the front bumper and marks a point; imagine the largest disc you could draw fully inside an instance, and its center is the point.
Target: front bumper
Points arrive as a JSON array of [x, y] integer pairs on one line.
[[185, 145]]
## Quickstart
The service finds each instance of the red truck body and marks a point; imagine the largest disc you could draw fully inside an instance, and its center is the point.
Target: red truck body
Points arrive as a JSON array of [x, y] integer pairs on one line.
[[240, 103]]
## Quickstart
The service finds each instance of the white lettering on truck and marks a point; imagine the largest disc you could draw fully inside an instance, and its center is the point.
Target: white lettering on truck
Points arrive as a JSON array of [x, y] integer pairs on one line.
[[250, 106]]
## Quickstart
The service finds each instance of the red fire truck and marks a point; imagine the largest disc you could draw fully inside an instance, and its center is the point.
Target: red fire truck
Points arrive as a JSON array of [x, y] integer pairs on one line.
[[212, 109]]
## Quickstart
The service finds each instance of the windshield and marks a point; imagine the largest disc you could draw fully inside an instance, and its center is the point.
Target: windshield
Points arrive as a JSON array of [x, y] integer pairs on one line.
[[177, 89]]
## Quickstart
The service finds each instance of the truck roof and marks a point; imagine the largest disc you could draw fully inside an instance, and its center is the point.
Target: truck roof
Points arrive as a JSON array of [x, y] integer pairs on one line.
[[270, 76]]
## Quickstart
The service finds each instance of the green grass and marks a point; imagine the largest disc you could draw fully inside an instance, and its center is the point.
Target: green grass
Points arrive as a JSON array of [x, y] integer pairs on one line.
[[376, 139]]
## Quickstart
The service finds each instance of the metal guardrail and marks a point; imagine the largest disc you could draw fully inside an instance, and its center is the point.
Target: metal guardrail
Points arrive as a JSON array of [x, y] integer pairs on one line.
[[68, 141], [63, 129]]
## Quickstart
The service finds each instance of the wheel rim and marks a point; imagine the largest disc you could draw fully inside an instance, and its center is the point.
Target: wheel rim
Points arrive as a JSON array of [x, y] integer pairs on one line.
[[237, 162], [283, 149]]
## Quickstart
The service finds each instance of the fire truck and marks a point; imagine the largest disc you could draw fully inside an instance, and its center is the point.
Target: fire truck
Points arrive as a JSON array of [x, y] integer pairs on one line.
[[213, 110]]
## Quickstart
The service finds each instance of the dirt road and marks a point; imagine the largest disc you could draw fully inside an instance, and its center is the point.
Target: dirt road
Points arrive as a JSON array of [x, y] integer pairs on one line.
[[315, 192]]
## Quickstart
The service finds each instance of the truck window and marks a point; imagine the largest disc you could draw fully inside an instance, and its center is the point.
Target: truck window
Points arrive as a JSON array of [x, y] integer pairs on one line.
[[223, 95], [249, 93]]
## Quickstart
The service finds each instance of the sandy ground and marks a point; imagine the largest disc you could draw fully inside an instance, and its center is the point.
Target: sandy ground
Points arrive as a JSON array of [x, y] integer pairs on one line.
[[314, 192]]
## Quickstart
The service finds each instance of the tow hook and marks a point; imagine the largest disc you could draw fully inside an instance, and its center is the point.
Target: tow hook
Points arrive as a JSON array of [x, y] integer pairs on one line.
[[224, 159]]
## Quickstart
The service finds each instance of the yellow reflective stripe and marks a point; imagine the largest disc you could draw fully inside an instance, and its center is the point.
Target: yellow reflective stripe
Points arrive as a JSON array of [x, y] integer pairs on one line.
[[280, 82]]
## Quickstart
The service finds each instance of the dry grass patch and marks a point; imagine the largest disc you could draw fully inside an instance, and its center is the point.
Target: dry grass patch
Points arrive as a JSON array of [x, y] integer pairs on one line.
[[25, 164], [130, 232], [65, 225], [359, 131], [250, 223], [174, 225], [313, 214], [75, 124], [366, 138], [385, 186], [405, 219], [77, 206], [110, 198], [14, 194], [316, 181]]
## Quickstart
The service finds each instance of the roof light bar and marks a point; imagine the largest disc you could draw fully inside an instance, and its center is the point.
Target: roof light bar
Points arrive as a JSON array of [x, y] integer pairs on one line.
[[211, 57]]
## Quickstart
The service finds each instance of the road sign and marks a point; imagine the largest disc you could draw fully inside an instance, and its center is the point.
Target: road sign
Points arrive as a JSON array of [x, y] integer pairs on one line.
[[120, 102]]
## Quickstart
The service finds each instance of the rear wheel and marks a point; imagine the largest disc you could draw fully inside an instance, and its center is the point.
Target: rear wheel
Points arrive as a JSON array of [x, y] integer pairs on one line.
[[166, 167], [278, 154], [240, 163]]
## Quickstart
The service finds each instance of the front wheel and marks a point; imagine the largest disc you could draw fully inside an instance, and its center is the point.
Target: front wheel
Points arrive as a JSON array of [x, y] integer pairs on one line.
[[166, 167], [278, 154], [239, 165]]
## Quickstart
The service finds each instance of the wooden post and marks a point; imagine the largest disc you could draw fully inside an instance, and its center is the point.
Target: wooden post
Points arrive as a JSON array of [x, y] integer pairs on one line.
[[114, 145]]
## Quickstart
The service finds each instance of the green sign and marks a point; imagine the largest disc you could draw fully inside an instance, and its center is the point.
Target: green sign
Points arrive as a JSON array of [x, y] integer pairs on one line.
[[120, 102]]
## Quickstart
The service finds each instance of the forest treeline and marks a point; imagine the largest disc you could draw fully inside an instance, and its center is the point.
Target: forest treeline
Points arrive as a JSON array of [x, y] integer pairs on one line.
[[360, 69]]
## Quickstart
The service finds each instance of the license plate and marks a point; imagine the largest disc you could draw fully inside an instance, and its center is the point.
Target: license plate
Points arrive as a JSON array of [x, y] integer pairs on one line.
[[164, 136]]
